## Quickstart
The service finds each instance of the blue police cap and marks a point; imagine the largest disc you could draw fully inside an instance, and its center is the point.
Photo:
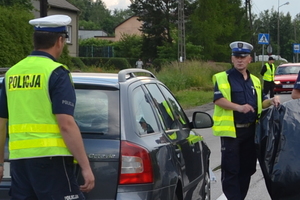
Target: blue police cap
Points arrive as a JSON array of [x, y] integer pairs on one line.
[[240, 48], [51, 23]]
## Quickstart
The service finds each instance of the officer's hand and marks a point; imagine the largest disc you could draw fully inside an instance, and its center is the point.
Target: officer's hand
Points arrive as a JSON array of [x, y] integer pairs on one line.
[[89, 180], [275, 101], [245, 108]]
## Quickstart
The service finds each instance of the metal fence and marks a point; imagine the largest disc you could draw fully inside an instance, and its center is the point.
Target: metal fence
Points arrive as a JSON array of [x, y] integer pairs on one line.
[[96, 51]]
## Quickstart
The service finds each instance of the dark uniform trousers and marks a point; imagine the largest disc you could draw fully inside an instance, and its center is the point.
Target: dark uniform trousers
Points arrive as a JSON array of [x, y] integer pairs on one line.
[[269, 86], [238, 162]]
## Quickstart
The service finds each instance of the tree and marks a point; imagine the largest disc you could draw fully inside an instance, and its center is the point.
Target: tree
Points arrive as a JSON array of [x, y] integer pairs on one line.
[[267, 23], [215, 24], [23, 3], [94, 15], [158, 17], [129, 46]]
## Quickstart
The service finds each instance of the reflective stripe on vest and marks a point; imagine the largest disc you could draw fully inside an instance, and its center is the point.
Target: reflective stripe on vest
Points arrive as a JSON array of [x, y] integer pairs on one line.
[[223, 118], [269, 74], [33, 129]]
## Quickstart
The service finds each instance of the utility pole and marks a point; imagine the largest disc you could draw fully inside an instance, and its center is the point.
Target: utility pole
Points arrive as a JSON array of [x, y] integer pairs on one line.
[[249, 17], [43, 8], [181, 31]]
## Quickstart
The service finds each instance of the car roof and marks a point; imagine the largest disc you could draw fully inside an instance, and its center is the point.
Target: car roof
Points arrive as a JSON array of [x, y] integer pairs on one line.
[[108, 79], [95, 78], [289, 64]]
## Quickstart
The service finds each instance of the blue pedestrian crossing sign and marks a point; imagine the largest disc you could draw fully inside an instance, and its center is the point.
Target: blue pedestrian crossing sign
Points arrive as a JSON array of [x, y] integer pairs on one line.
[[263, 38], [296, 48]]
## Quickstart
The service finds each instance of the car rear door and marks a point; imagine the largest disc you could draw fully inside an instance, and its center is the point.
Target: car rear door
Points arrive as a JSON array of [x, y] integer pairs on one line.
[[97, 115]]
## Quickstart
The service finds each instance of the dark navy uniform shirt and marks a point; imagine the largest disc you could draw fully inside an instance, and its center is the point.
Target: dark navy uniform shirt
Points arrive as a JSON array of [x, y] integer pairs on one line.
[[61, 91], [242, 92]]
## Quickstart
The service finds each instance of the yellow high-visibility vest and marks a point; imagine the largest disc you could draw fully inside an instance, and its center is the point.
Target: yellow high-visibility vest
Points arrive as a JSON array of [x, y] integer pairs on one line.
[[223, 118], [33, 129], [269, 74]]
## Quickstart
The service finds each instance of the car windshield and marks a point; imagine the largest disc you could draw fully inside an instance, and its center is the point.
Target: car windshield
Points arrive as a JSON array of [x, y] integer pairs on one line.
[[287, 70]]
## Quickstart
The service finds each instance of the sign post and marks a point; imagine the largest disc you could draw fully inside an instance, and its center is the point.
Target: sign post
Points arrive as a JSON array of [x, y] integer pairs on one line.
[[263, 38], [269, 49], [296, 48]]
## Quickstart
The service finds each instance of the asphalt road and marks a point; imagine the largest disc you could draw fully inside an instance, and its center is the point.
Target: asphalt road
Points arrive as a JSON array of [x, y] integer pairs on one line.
[[257, 190]]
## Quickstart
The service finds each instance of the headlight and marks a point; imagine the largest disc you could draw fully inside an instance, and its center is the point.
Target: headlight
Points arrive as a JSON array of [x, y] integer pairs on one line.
[[277, 82]]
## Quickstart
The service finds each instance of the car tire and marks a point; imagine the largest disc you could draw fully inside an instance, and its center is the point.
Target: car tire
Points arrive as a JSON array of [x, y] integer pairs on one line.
[[207, 186]]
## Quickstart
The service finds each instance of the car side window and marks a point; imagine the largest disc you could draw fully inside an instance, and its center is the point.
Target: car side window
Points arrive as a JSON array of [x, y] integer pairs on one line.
[[177, 110], [162, 107], [143, 113]]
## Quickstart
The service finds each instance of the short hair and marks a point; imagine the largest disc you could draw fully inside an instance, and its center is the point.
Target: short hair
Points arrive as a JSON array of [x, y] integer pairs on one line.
[[45, 40]]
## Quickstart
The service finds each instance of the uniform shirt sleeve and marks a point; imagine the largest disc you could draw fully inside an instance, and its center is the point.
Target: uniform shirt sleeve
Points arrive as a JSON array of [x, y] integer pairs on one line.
[[62, 92], [3, 102], [264, 96], [297, 83], [217, 93], [263, 70]]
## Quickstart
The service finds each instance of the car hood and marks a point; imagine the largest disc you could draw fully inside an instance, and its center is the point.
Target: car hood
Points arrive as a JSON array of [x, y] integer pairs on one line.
[[289, 77]]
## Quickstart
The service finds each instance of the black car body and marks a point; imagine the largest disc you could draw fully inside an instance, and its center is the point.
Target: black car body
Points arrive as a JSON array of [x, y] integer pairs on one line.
[[136, 150]]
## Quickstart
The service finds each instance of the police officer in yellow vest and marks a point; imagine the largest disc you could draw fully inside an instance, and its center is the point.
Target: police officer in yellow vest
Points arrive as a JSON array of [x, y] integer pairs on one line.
[[238, 103], [268, 73], [38, 101]]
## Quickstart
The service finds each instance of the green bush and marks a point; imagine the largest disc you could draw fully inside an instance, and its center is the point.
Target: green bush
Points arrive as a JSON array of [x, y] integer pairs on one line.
[[15, 35], [77, 62], [65, 58], [103, 61], [129, 46], [94, 61], [117, 63], [132, 61], [94, 42], [91, 61]]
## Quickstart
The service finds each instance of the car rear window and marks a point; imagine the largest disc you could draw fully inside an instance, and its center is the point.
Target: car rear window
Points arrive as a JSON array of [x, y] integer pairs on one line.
[[97, 111]]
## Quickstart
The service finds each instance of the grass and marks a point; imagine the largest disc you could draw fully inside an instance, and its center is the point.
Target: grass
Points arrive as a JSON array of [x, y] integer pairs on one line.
[[191, 98], [190, 81]]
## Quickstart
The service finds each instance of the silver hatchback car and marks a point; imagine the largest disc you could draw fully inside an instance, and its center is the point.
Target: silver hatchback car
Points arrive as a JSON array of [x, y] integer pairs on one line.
[[138, 139]]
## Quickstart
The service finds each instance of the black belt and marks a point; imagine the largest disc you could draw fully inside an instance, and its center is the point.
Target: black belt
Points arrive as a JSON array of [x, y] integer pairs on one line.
[[243, 125]]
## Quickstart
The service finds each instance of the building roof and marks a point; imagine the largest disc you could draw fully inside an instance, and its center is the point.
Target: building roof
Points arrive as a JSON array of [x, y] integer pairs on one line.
[[125, 20], [62, 4], [84, 34]]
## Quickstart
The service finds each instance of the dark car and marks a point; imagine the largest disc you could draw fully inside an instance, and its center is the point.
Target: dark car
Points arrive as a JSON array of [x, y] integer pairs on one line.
[[138, 139], [285, 77]]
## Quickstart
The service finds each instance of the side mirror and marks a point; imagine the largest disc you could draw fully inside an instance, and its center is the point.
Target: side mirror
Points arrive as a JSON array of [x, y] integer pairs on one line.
[[201, 120]]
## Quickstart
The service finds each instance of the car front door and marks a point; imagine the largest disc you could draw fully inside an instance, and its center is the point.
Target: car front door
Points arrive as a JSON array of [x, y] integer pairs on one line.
[[176, 127]]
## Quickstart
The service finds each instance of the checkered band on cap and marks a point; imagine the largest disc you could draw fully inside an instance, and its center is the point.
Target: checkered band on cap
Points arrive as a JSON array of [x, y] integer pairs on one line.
[[241, 48]]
